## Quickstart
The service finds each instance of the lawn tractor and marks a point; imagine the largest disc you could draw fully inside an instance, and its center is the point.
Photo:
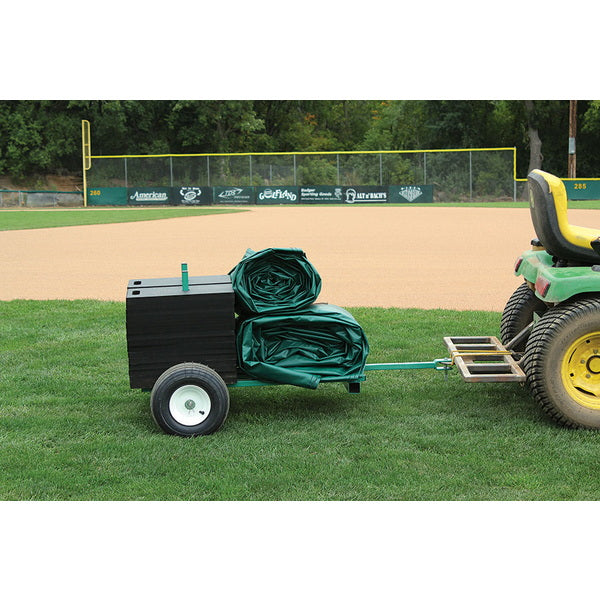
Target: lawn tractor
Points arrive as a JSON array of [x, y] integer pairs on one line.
[[551, 323]]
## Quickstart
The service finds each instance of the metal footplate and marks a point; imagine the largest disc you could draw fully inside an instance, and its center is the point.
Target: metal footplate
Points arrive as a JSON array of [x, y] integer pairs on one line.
[[482, 359]]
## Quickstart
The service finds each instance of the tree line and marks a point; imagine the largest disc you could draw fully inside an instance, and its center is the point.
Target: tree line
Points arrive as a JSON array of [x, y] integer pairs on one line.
[[39, 137]]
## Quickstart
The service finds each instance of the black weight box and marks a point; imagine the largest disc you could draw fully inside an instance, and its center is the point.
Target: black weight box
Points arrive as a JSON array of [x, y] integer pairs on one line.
[[167, 325]]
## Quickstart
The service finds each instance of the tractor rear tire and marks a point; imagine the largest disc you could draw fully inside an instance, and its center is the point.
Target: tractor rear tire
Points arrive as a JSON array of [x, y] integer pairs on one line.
[[562, 363], [519, 312]]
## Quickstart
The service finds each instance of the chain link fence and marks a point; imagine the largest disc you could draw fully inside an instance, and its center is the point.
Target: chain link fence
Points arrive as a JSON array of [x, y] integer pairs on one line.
[[39, 199], [457, 175]]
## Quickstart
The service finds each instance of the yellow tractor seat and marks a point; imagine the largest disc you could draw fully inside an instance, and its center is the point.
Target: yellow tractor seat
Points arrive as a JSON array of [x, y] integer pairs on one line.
[[548, 206]]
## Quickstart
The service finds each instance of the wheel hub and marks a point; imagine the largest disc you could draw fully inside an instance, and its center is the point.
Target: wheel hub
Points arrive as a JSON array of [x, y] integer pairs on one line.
[[189, 405], [593, 364], [580, 370]]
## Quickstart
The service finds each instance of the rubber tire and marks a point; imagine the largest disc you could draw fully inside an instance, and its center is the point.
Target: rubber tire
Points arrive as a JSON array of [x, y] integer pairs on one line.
[[551, 338], [518, 313], [189, 374]]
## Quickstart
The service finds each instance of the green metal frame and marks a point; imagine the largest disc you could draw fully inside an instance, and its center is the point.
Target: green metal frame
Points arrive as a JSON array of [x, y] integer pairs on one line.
[[439, 364]]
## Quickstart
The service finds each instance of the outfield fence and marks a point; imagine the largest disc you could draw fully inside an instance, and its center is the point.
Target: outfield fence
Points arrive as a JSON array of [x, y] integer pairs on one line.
[[445, 175], [457, 175]]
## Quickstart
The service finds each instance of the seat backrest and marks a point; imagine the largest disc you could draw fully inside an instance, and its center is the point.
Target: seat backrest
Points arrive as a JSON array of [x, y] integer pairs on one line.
[[548, 206]]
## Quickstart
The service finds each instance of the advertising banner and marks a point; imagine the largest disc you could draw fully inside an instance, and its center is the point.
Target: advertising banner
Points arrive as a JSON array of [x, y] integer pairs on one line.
[[155, 195], [193, 195], [582, 189], [321, 194], [234, 195], [411, 193], [102, 196], [358, 194], [276, 195]]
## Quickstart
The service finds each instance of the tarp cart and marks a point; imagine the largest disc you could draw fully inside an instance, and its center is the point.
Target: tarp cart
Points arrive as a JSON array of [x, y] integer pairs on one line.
[[186, 345]]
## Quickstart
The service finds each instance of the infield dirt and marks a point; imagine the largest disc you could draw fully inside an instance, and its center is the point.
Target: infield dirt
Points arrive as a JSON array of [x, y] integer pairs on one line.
[[422, 257]]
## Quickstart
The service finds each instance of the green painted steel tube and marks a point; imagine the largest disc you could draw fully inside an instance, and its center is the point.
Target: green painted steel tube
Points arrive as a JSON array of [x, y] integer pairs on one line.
[[259, 383], [185, 278], [439, 364]]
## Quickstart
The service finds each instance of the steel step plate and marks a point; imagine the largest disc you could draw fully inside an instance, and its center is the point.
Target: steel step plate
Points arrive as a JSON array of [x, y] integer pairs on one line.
[[483, 358]]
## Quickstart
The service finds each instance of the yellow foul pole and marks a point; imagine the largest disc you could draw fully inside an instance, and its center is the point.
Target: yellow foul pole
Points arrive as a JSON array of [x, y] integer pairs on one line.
[[86, 152]]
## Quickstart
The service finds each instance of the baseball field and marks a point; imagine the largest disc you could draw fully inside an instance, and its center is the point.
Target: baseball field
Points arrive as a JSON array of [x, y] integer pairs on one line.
[[71, 428], [418, 257]]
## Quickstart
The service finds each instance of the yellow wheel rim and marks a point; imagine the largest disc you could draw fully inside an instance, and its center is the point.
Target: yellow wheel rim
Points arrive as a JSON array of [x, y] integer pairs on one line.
[[580, 370]]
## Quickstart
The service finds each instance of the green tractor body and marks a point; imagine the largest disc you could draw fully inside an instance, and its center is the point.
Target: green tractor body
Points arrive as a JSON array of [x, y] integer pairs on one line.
[[554, 284]]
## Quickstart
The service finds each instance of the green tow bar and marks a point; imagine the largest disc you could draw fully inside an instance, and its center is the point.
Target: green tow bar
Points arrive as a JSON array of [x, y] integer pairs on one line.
[[439, 364]]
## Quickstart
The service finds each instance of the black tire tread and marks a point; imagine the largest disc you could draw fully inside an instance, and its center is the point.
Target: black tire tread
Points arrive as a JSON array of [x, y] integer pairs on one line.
[[537, 348], [187, 371], [522, 301]]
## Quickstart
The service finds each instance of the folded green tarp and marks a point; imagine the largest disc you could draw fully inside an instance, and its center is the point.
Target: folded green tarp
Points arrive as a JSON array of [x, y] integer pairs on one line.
[[275, 279], [321, 341]]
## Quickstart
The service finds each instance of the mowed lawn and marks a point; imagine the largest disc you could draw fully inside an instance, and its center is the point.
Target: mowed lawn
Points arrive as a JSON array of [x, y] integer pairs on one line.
[[36, 219], [72, 429]]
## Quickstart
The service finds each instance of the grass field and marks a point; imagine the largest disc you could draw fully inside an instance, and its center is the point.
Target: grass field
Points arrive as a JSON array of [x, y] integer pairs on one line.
[[574, 204], [71, 429], [36, 219]]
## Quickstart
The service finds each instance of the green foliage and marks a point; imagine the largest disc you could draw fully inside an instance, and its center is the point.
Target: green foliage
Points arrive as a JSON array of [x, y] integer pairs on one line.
[[316, 171], [397, 125], [44, 136], [211, 126], [493, 174], [591, 120]]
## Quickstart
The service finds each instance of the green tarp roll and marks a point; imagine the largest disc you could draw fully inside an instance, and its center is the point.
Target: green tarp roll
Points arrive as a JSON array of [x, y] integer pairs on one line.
[[321, 341], [275, 279]]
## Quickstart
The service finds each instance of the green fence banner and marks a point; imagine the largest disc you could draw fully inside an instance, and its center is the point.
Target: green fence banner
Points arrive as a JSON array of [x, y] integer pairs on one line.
[[276, 195], [234, 195], [315, 194], [583, 189], [107, 196], [411, 193], [365, 193], [146, 195], [192, 195], [321, 194]]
